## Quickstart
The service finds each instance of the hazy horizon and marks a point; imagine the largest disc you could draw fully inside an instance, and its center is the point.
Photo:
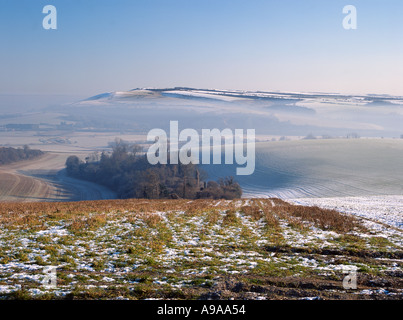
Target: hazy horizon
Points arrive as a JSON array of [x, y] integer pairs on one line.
[[101, 46]]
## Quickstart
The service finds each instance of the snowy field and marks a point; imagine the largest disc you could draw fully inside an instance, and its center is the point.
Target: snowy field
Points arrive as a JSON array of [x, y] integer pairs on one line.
[[384, 209], [381, 214], [241, 249], [322, 169]]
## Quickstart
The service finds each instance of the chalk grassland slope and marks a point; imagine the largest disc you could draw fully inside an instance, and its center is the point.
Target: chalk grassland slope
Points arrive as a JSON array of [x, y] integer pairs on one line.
[[323, 168], [43, 179], [202, 249]]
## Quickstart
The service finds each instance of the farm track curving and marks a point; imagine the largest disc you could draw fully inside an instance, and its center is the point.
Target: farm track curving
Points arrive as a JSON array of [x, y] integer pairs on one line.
[[43, 179]]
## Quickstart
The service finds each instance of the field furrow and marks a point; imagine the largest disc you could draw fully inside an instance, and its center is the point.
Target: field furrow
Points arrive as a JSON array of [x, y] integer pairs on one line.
[[198, 249]]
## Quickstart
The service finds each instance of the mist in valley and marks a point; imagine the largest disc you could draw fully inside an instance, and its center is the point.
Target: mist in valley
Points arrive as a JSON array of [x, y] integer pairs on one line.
[[307, 145]]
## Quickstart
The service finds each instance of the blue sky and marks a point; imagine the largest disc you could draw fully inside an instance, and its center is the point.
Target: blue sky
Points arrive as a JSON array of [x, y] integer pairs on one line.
[[288, 45]]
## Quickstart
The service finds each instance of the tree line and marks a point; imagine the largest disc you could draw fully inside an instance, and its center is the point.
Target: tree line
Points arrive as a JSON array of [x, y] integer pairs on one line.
[[9, 155], [127, 172]]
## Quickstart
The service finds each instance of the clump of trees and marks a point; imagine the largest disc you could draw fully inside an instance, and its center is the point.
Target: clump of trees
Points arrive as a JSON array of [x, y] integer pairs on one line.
[[353, 135], [310, 136], [127, 171], [9, 155]]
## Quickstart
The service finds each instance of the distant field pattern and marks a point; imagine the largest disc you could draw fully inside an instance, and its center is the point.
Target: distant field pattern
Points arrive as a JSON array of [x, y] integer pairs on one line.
[[323, 168]]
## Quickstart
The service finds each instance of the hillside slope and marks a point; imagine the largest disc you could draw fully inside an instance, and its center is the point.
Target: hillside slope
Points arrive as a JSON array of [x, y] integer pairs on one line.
[[43, 179]]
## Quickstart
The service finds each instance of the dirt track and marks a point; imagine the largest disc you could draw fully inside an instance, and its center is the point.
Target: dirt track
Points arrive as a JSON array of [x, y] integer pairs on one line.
[[43, 179]]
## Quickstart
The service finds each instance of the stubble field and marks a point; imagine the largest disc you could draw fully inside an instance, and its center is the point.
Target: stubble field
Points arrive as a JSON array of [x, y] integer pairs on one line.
[[180, 249], [44, 179]]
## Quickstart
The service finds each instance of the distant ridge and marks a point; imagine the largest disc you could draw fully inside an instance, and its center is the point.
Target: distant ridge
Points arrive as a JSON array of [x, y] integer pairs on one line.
[[219, 94]]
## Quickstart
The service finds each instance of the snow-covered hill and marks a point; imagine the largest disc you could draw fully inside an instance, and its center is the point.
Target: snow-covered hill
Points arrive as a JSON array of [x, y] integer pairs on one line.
[[270, 113]]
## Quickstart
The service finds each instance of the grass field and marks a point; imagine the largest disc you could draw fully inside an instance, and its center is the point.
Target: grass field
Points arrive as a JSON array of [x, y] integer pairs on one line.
[[181, 249]]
